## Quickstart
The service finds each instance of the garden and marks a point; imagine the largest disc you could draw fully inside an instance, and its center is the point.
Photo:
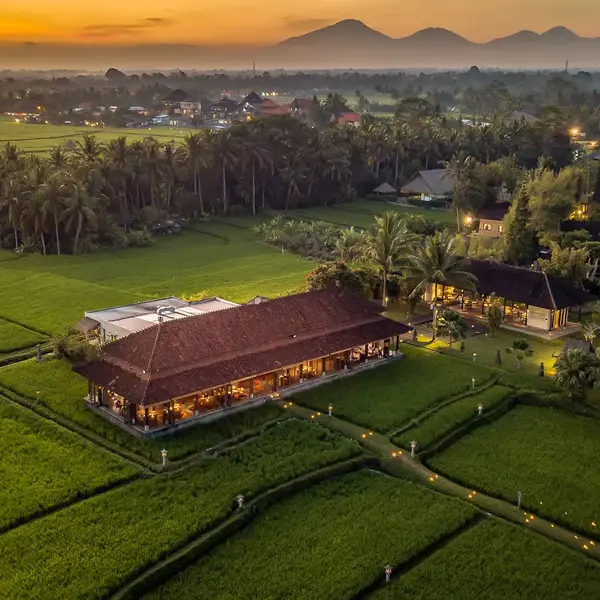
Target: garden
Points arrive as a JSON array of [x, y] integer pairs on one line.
[[107, 539], [389, 396], [329, 541], [497, 561], [49, 466], [547, 454]]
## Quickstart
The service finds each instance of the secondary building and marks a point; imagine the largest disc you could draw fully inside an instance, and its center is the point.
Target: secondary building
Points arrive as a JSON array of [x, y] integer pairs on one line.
[[532, 300], [434, 183], [201, 367], [491, 220], [110, 324]]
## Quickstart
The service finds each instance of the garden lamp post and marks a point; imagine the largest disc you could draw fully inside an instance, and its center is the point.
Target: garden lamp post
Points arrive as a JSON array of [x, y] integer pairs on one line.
[[435, 304], [388, 573], [330, 409], [413, 446], [38, 353], [473, 380], [240, 500], [480, 409], [474, 356], [163, 453], [519, 499]]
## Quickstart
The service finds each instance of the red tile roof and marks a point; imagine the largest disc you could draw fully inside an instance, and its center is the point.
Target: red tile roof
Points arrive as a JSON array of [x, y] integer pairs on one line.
[[349, 117], [187, 355]]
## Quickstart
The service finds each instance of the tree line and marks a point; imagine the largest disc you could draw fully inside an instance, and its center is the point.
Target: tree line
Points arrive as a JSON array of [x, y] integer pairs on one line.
[[96, 194]]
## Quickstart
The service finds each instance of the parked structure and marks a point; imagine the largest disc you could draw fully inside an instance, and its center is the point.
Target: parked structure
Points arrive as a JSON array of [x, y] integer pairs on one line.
[[491, 220], [202, 367]]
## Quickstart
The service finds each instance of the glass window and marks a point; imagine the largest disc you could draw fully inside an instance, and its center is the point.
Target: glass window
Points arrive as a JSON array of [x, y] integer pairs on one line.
[[486, 227], [500, 228]]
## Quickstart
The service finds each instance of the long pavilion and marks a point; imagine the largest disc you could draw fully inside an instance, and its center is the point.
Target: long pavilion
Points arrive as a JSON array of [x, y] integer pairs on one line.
[[201, 367]]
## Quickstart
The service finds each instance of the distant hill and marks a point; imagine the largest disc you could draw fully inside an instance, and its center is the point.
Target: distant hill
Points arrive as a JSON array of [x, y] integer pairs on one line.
[[352, 44]]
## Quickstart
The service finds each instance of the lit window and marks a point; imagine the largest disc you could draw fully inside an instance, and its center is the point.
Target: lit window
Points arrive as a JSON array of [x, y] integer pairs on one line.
[[486, 227], [500, 229]]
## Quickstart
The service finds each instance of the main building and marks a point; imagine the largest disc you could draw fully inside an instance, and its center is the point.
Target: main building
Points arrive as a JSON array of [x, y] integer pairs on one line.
[[202, 366]]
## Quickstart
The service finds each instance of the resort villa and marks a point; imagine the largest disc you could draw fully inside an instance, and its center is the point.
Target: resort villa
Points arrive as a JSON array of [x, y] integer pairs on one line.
[[197, 368], [532, 301]]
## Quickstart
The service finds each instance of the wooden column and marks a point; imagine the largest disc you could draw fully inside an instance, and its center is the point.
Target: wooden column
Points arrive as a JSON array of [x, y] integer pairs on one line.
[[504, 309], [301, 372], [526, 313], [551, 321], [251, 391], [397, 343], [146, 420], [133, 412], [323, 366], [366, 352], [386, 348], [196, 406]]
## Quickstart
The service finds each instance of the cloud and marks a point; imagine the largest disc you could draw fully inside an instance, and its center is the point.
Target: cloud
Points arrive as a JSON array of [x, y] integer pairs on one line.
[[305, 23], [119, 29]]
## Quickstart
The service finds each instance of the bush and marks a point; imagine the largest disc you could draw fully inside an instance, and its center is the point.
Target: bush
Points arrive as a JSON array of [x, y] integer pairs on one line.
[[140, 238]]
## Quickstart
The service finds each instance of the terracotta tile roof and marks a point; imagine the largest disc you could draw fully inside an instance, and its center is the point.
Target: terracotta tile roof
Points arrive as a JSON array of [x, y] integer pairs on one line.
[[188, 355], [535, 288], [349, 117]]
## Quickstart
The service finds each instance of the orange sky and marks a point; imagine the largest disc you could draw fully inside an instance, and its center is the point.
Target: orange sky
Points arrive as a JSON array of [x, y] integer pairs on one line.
[[257, 21]]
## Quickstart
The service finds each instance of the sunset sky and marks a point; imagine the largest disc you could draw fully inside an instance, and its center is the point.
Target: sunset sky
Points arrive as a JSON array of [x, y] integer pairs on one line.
[[259, 22]]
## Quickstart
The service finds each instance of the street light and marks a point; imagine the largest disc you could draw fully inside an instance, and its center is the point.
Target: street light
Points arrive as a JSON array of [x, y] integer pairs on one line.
[[473, 380], [163, 453], [330, 409], [480, 409], [413, 446]]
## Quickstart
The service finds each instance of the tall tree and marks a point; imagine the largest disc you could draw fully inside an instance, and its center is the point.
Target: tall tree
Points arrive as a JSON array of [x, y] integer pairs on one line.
[[386, 244], [518, 237]]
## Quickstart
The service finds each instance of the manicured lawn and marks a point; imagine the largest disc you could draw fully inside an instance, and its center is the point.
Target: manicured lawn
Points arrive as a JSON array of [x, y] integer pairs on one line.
[[448, 418], [91, 548], [329, 541], [549, 455], [50, 293], [386, 397], [497, 561], [486, 346], [14, 337], [62, 391], [42, 465]]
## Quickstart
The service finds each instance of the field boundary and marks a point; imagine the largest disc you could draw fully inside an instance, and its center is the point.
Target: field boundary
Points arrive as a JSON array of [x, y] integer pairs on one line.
[[420, 556], [43, 411], [436, 408], [193, 550]]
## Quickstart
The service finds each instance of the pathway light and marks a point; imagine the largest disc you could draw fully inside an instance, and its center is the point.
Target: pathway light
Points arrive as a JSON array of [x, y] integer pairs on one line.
[[163, 453], [413, 446], [388, 572]]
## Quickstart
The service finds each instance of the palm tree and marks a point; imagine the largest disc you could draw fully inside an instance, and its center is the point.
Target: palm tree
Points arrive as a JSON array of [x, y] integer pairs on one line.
[[257, 156], [452, 325], [293, 173], [386, 243], [196, 158], [79, 211], [12, 201], [34, 215], [222, 144], [52, 192], [88, 149], [577, 370], [58, 158], [350, 244], [459, 168]]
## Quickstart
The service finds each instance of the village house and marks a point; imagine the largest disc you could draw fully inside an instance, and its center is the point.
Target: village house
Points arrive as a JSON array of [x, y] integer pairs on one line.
[[201, 367], [532, 301], [491, 219], [430, 184]]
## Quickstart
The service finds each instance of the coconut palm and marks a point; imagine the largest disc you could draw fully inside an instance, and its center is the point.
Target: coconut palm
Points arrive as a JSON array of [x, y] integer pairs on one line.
[[350, 244], [52, 192], [576, 371], [386, 244], [12, 201], [196, 155], [452, 325], [223, 148], [257, 156], [79, 211], [88, 149]]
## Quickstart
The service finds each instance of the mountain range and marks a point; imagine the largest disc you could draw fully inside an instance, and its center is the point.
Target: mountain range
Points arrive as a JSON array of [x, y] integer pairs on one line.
[[349, 44]]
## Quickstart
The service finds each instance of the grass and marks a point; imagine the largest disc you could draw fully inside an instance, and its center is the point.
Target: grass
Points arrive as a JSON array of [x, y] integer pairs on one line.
[[44, 465], [40, 138], [329, 541], [14, 337], [62, 391], [361, 214], [450, 417], [386, 397], [107, 539], [496, 561], [545, 453], [486, 347], [50, 293]]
